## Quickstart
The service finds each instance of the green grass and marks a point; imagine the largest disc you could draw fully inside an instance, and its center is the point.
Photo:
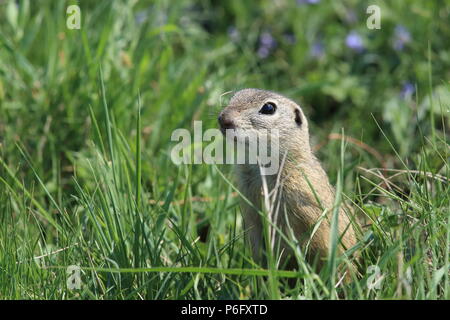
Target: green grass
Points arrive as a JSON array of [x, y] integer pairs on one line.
[[86, 118]]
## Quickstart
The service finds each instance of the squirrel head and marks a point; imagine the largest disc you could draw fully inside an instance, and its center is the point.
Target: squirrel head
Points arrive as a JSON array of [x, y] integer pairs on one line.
[[257, 111]]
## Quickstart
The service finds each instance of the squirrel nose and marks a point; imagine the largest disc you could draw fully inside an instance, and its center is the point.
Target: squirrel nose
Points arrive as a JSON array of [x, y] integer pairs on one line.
[[225, 122]]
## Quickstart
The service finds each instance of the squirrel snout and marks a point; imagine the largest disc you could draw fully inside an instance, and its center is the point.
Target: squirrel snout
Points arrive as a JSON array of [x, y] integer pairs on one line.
[[225, 121]]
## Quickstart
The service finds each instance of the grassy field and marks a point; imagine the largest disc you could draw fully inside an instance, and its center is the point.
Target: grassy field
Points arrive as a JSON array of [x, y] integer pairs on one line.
[[86, 117]]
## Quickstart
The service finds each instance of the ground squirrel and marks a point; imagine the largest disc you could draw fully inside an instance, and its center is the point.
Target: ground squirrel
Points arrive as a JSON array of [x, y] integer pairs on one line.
[[255, 110]]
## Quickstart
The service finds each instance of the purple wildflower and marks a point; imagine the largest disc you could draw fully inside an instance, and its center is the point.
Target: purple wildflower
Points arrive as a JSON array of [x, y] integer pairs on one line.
[[290, 38], [234, 34], [267, 40], [263, 52], [317, 50], [141, 16], [401, 37], [354, 41], [301, 2], [407, 90], [266, 44]]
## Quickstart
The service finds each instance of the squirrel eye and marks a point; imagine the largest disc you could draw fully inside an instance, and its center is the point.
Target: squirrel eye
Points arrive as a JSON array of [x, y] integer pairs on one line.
[[268, 108], [298, 118]]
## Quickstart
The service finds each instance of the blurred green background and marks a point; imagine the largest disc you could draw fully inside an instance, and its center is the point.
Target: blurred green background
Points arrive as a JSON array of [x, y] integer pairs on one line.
[[183, 55]]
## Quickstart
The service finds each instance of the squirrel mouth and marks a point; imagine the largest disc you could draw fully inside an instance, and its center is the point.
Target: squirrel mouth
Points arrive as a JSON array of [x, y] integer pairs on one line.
[[224, 129]]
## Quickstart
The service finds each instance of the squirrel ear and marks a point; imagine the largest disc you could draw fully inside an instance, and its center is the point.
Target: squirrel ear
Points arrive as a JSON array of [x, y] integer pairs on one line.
[[298, 117]]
